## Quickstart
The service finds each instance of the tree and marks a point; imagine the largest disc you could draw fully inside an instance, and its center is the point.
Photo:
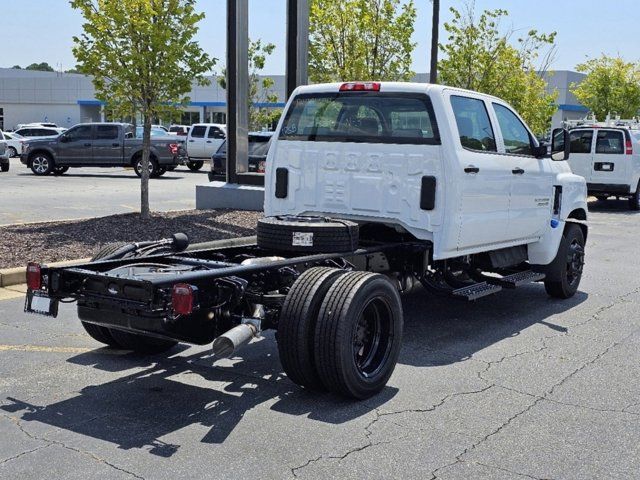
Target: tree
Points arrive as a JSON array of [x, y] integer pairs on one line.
[[360, 40], [478, 56], [143, 59], [260, 88], [16, 67], [611, 86], [40, 67]]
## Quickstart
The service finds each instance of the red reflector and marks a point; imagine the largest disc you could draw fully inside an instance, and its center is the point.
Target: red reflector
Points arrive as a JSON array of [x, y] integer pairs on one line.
[[629, 148], [34, 278], [173, 148], [360, 87], [182, 299]]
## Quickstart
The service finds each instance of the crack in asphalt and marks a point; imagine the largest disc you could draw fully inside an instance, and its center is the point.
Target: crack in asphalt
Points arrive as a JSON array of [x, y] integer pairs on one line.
[[24, 453], [511, 472], [51, 442]]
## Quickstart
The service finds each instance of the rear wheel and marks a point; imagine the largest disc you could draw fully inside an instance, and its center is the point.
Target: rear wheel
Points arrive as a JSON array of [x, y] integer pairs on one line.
[[100, 334], [296, 327], [569, 264], [42, 164], [358, 334], [195, 165], [634, 200], [153, 166], [12, 152], [60, 170], [141, 343]]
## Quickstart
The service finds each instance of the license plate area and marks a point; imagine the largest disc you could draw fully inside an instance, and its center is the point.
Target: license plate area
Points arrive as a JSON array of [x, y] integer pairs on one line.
[[41, 304]]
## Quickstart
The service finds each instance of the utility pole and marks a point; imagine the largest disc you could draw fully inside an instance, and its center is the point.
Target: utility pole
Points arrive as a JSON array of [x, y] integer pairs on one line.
[[433, 74]]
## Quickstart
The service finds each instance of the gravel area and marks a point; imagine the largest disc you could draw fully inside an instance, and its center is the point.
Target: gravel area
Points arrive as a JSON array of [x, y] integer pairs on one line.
[[58, 241]]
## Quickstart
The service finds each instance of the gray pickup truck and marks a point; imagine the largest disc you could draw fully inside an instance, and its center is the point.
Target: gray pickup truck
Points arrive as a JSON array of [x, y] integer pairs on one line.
[[100, 145]]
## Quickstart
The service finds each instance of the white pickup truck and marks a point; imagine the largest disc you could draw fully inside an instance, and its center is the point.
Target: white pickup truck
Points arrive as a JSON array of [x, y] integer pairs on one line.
[[370, 189], [203, 140]]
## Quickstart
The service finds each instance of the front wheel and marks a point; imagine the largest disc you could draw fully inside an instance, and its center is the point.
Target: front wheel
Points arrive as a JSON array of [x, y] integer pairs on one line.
[[42, 164], [568, 265], [195, 165], [12, 152]]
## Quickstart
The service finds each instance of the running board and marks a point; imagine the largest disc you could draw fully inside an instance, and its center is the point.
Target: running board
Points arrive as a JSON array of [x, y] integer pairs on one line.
[[516, 279], [476, 291]]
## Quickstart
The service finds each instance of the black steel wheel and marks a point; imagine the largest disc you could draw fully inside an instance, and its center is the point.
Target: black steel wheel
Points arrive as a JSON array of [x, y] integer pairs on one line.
[[297, 324], [569, 264], [358, 334], [634, 200], [195, 165]]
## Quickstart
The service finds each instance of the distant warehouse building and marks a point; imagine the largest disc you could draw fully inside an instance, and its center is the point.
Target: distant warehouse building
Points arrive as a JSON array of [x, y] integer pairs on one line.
[[67, 99]]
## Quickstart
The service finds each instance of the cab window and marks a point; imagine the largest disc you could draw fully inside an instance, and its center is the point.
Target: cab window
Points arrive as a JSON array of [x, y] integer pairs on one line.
[[82, 132], [515, 135], [215, 132], [581, 141], [610, 142], [473, 124], [198, 132]]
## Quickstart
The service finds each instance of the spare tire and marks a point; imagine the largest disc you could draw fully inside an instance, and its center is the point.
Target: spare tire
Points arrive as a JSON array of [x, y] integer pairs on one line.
[[307, 234]]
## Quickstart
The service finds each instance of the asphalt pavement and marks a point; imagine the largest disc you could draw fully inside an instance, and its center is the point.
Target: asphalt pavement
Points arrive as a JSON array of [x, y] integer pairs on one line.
[[513, 386], [90, 192]]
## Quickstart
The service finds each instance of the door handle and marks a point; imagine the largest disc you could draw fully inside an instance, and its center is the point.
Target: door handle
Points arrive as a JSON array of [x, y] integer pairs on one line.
[[471, 169], [87, 144], [517, 171], [115, 144], [191, 141], [208, 141]]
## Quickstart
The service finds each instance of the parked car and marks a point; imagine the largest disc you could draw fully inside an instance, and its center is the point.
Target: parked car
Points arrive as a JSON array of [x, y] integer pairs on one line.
[[161, 127], [39, 124], [14, 143], [99, 145], [155, 132], [259, 143], [369, 187], [39, 132], [4, 156], [182, 130], [203, 141], [608, 157]]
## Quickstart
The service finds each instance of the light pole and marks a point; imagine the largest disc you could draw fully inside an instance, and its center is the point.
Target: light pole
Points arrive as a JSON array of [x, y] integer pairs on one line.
[[433, 74]]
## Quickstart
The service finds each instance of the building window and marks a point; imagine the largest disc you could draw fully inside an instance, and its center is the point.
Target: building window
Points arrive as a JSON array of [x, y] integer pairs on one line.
[[1, 118]]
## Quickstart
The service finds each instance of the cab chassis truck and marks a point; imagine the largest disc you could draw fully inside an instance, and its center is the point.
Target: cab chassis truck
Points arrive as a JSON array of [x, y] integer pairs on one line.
[[326, 277]]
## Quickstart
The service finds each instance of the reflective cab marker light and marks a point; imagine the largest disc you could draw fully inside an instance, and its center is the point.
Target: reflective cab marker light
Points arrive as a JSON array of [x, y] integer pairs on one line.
[[182, 299], [629, 148], [34, 277], [360, 87]]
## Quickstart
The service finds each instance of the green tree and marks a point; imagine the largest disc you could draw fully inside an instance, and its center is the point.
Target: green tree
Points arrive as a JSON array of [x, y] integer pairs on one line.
[[40, 67], [611, 86], [361, 40], [143, 59], [480, 57], [16, 67], [260, 88]]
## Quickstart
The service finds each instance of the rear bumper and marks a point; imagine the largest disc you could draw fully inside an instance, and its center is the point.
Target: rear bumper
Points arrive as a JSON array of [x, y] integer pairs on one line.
[[610, 188]]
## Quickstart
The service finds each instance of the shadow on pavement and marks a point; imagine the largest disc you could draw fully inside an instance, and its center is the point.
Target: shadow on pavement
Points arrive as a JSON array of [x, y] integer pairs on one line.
[[612, 205], [165, 395]]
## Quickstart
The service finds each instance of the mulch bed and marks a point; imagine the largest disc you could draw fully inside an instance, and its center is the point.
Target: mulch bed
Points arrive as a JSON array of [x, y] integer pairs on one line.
[[58, 241]]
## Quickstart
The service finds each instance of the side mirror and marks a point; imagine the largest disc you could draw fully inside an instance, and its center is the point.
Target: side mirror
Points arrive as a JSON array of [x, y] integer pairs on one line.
[[560, 144]]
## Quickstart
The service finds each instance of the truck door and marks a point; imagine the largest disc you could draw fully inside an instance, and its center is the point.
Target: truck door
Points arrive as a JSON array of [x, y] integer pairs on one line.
[[75, 146], [195, 142], [531, 181], [107, 145], [610, 163], [215, 137], [484, 176], [581, 157]]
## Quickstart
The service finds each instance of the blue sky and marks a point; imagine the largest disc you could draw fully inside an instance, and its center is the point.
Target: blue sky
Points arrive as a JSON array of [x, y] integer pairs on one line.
[[41, 30]]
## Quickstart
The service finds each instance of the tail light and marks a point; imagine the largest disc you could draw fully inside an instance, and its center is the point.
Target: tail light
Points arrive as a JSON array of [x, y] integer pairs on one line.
[[261, 166], [182, 299], [173, 148], [629, 147], [360, 87], [34, 276]]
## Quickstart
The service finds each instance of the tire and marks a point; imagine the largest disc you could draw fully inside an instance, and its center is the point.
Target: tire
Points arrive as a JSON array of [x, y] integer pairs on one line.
[[108, 250], [195, 165], [12, 152], [141, 343], [60, 170], [100, 334], [569, 263], [42, 164], [4, 167], [328, 235], [153, 166], [296, 327], [634, 200], [161, 171], [358, 334]]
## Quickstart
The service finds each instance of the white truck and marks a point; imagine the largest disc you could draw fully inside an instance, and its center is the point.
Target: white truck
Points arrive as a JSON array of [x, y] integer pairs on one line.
[[370, 189], [203, 140]]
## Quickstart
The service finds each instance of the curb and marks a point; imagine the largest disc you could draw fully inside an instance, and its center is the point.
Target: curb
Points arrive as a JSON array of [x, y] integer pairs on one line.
[[17, 276]]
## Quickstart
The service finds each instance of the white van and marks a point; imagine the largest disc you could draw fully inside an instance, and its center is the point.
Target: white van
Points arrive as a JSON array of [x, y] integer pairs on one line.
[[203, 141], [609, 159]]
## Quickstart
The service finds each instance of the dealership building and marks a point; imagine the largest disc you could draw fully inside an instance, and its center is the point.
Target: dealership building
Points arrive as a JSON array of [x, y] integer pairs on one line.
[[67, 99]]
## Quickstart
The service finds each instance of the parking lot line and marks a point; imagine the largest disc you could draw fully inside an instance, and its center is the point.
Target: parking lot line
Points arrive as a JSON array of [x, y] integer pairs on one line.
[[40, 348]]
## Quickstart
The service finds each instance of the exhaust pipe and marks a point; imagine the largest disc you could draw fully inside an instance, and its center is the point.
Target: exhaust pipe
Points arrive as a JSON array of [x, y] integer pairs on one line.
[[229, 342]]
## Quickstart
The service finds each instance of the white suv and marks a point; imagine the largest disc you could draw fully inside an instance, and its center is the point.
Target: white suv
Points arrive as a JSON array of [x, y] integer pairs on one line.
[[609, 159]]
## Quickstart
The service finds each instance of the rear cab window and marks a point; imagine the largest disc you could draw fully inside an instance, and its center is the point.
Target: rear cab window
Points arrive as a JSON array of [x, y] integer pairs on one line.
[[474, 126], [361, 117], [580, 141], [610, 142]]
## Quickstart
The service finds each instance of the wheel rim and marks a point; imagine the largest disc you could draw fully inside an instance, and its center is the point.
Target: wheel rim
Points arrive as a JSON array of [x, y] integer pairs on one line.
[[373, 337], [575, 262], [40, 164], [139, 168], [13, 152]]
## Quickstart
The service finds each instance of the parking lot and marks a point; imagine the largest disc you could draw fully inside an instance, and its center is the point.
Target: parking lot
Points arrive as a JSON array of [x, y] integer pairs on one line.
[[516, 386], [90, 192]]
